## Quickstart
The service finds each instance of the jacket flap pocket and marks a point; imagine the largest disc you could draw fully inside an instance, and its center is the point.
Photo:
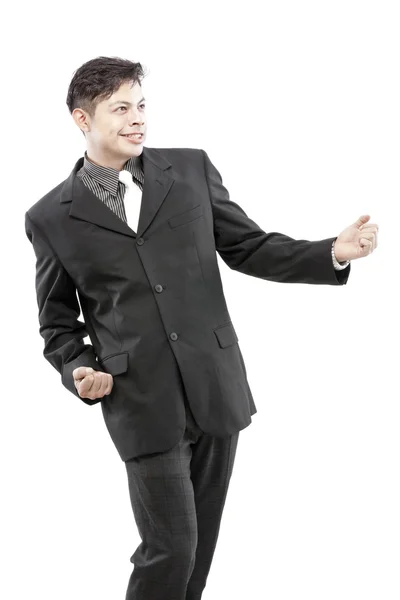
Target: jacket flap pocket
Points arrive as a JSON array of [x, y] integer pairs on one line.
[[115, 363], [186, 217], [226, 335]]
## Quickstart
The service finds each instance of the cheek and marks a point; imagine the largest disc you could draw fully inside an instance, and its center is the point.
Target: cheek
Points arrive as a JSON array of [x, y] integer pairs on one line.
[[109, 133], [115, 129], [101, 133]]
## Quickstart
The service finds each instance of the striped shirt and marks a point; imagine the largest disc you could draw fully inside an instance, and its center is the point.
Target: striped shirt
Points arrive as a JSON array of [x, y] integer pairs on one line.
[[105, 184]]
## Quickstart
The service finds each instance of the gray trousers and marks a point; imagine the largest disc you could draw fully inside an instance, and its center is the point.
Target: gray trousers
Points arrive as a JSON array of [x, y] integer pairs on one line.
[[177, 500]]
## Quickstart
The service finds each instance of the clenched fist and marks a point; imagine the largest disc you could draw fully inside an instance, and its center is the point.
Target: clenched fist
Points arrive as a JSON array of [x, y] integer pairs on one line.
[[92, 384]]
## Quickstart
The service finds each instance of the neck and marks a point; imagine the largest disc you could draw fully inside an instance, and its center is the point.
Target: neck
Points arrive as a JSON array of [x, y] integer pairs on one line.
[[104, 159]]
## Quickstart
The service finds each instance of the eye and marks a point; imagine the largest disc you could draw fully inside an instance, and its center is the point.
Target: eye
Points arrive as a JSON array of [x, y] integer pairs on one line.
[[124, 107]]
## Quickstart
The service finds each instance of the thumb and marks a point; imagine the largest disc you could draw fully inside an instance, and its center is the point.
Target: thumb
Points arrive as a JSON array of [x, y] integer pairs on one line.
[[362, 220]]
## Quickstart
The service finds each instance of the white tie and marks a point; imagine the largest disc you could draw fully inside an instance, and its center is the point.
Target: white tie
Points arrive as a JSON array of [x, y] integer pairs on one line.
[[132, 199]]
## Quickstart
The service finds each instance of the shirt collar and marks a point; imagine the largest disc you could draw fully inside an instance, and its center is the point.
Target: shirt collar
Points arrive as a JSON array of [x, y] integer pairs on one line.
[[109, 177]]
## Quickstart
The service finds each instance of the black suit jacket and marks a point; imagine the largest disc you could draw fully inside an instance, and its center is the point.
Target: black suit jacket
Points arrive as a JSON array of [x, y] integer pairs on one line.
[[152, 301]]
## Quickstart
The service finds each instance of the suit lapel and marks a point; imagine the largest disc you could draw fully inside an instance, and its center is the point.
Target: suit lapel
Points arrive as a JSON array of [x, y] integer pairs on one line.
[[158, 179]]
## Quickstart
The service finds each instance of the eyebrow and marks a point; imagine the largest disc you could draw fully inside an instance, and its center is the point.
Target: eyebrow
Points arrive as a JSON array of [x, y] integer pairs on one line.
[[125, 102]]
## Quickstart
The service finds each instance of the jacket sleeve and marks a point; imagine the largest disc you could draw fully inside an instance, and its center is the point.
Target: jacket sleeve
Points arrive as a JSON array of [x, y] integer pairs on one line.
[[58, 315], [245, 247]]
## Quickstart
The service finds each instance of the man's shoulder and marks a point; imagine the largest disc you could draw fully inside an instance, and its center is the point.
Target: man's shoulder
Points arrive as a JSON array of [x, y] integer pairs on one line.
[[49, 203], [46, 203], [176, 151], [181, 159], [176, 154]]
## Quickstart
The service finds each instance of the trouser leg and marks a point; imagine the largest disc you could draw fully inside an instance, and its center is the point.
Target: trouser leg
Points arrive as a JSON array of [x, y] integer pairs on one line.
[[177, 499], [162, 499], [211, 470]]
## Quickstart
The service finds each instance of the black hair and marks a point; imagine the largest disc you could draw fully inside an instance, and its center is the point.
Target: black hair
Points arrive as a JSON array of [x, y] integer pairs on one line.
[[98, 79]]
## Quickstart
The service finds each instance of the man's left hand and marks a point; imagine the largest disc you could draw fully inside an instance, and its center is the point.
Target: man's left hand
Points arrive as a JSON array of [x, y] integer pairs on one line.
[[357, 241]]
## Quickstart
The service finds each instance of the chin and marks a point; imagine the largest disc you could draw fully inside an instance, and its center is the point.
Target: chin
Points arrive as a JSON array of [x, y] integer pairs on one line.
[[135, 149]]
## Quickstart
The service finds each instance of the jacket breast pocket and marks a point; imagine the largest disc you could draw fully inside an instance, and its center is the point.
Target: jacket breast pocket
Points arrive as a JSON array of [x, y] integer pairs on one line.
[[187, 217], [226, 335], [115, 364]]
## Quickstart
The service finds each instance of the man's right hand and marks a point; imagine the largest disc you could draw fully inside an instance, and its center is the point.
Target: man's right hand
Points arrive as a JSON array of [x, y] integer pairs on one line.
[[92, 384]]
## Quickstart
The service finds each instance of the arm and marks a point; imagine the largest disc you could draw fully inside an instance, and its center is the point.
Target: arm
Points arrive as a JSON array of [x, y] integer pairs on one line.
[[245, 247], [58, 313]]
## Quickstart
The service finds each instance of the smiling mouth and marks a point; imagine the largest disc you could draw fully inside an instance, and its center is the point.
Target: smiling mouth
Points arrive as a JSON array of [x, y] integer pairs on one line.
[[136, 136]]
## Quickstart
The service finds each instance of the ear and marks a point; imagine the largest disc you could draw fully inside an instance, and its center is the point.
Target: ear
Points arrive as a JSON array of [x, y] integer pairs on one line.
[[81, 119]]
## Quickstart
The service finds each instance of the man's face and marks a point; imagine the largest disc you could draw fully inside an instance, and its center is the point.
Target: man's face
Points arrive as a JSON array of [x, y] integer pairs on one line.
[[121, 114]]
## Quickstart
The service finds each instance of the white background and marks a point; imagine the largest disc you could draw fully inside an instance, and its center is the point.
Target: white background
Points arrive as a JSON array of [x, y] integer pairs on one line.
[[297, 105]]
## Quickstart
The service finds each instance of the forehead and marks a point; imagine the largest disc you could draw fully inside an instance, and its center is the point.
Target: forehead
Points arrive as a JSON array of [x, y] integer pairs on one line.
[[127, 92]]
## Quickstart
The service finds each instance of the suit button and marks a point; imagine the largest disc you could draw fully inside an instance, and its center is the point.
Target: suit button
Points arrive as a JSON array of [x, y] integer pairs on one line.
[[140, 241], [173, 336], [158, 288]]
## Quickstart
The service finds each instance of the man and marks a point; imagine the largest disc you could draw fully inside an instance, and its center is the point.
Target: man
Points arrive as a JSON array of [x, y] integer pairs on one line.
[[135, 231]]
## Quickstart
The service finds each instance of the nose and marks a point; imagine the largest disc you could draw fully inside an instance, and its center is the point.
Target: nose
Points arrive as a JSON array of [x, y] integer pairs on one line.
[[135, 117]]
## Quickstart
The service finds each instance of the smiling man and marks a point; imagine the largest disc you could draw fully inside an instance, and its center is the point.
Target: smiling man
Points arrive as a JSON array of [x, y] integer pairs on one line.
[[112, 140], [133, 233]]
